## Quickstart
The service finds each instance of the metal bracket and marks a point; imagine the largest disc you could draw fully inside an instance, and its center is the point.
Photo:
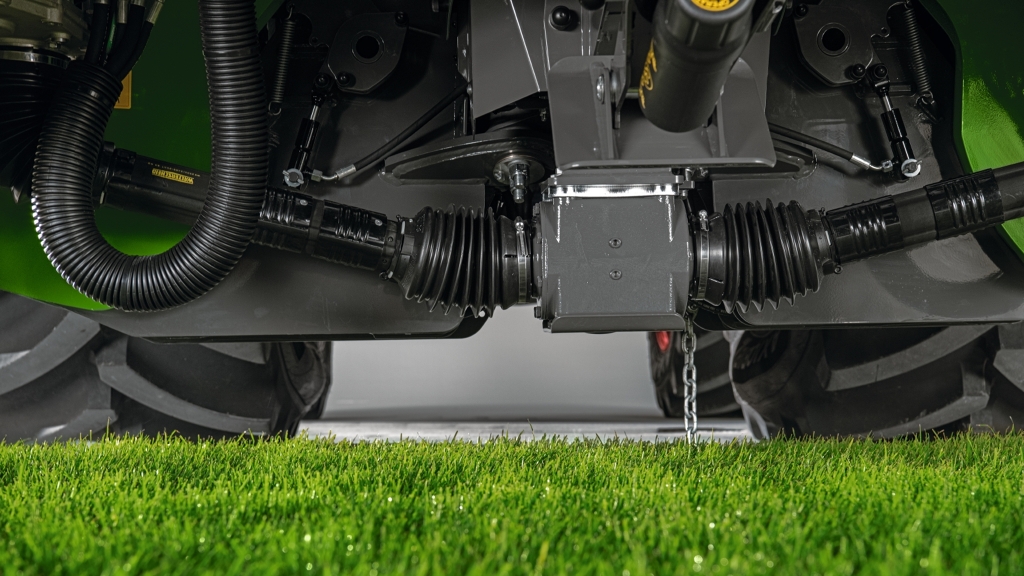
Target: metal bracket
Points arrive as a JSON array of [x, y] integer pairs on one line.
[[523, 254], [614, 191]]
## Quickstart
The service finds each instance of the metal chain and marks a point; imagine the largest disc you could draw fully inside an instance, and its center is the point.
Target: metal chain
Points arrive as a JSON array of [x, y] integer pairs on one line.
[[690, 380]]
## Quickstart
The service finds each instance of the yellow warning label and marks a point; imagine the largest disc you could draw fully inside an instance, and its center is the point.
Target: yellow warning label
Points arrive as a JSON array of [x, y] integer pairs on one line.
[[647, 78], [715, 5], [124, 101], [168, 175]]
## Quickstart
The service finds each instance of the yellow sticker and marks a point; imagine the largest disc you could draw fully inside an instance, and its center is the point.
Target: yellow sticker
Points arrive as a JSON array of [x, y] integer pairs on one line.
[[168, 175], [647, 78], [124, 101], [715, 5]]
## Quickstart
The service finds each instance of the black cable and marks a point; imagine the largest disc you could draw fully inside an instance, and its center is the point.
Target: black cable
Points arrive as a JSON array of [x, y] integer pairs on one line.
[[120, 23], [115, 42], [126, 48], [68, 155], [98, 29], [811, 141], [147, 29], [376, 155]]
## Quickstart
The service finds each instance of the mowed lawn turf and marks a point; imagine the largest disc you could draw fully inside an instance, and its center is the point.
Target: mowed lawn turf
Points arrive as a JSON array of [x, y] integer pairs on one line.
[[300, 506]]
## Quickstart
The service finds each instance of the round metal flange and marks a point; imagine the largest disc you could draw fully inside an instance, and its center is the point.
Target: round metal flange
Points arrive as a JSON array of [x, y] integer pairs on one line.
[[501, 168]]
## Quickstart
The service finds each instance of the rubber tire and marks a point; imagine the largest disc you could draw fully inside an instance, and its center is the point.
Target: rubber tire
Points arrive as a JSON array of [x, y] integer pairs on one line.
[[882, 383], [63, 376], [714, 393]]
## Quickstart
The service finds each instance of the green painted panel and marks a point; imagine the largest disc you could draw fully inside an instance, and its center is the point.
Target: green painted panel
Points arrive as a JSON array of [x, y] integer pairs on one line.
[[991, 43]]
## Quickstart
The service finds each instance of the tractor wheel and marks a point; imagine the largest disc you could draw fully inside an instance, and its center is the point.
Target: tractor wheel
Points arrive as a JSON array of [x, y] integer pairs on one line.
[[63, 376], [714, 393], [882, 383]]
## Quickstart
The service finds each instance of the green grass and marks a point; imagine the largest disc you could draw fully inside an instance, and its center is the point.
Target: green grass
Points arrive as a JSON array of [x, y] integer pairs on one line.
[[507, 507]]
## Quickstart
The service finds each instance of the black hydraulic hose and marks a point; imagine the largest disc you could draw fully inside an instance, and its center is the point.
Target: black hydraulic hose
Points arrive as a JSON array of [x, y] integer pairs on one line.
[[830, 148], [125, 49], [811, 141], [133, 59], [67, 158], [98, 29], [120, 24], [378, 154]]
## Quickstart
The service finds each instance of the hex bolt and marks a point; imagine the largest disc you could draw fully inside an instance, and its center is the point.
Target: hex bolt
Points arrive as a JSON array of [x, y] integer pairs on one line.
[[615, 274], [519, 178], [615, 242]]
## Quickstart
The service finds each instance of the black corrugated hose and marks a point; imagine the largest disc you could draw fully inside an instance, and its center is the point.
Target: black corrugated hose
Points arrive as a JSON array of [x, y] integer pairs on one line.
[[66, 162]]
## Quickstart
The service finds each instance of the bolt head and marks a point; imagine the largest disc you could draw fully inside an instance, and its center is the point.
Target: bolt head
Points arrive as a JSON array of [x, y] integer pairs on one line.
[[401, 18], [879, 71], [562, 18], [322, 81], [857, 71], [343, 78], [615, 243], [800, 11], [615, 274]]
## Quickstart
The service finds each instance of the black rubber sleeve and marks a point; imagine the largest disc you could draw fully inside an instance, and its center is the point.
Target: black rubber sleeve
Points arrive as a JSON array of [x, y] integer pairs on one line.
[[66, 166]]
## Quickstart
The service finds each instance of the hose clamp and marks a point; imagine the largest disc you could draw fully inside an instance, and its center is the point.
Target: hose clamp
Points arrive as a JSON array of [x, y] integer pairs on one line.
[[703, 255], [524, 260]]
